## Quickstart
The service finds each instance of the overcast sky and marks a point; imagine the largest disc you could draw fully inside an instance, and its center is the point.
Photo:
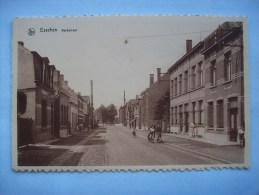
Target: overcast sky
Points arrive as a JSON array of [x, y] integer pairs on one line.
[[96, 51]]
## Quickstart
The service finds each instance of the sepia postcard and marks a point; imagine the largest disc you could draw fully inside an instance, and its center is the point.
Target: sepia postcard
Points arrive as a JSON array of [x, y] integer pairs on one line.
[[130, 93]]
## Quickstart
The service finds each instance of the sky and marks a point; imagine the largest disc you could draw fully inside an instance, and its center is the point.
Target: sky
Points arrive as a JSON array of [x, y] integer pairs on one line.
[[97, 50]]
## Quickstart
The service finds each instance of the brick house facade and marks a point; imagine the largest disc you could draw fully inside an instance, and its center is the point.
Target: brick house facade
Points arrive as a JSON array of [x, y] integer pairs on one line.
[[35, 79]]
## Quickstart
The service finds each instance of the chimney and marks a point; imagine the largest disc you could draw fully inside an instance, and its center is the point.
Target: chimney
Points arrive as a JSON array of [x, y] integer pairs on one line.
[[158, 74], [151, 81], [66, 83], [188, 45], [21, 43]]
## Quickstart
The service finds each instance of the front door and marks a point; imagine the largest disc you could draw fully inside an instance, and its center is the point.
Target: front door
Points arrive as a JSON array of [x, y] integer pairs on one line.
[[233, 125]]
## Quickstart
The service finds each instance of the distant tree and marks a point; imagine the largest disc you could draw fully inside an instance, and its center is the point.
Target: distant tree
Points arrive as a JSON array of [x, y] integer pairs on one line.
[[103, 112], [112, 112], [108, 113], [162, 107]]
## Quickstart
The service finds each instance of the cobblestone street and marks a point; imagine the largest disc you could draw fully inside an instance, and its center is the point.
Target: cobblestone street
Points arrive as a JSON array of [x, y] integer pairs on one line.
[[116, 146]]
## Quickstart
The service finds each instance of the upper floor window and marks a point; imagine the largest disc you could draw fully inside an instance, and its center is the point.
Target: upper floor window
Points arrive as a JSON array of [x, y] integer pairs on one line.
[[175, 87], [172, 88], [193, 77], [200, 74], [227, 66], [213, 73], [186, 81], [180, 84]]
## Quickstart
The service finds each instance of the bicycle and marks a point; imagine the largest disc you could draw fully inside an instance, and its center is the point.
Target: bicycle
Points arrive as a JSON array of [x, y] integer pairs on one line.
[[134, 133]]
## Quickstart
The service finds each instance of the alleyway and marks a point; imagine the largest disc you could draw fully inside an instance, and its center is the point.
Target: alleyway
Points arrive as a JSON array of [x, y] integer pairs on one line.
[[115, 145]]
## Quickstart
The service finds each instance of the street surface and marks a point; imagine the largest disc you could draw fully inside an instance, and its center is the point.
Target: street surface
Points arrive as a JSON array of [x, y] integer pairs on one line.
[[116, 146]]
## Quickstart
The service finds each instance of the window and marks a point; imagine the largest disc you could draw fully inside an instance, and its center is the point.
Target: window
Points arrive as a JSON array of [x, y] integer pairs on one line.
[[210, 114], [172, 116], [62, 114], [176, 115], [193, 112], [213, 73], [175, 87], [200, 75], [172, 88], [186, 81], [227, 66], [44, 113], [220, 114], [193, 77], [200, 113], [180, 84], [181, 115]]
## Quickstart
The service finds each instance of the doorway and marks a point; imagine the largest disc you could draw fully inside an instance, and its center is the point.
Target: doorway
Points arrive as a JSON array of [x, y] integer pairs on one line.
[[233, 124]]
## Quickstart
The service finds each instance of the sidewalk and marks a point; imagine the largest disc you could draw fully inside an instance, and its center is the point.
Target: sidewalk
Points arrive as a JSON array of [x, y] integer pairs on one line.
[[229, 153], [45, 153]]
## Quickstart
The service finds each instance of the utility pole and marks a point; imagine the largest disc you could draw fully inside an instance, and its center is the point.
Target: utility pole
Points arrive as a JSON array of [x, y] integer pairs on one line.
[[92, 105], [124, 109]]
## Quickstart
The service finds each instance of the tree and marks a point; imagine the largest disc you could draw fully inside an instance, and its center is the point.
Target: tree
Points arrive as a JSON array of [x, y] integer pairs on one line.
[[112, 112], [162, 107], [108, 113]]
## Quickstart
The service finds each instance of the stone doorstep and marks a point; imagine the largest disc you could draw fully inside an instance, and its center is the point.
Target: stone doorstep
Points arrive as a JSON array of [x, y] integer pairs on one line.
[[203, 140]]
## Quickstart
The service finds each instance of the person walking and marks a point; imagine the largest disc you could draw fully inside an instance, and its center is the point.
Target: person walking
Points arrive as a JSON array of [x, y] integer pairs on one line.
[[151, 135], [159, 133], [192, 126]]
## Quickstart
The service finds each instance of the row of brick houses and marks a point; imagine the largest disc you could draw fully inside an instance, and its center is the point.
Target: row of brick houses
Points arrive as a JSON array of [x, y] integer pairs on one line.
[[206, 89], [52, 108], [207, 86], [139, 113]]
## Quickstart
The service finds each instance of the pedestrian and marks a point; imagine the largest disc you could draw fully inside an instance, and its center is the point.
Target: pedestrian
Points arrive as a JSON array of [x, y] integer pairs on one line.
[[192, 126], [151, 135], [159, 133]]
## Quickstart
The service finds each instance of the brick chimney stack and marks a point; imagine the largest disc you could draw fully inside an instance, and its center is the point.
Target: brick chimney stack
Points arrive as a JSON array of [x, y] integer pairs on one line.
[[21, 43], [188, 45], [158, 74], [151, 81]]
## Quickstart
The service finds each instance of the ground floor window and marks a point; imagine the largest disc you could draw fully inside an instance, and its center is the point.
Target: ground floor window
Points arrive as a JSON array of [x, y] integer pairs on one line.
[[172, 116], [176, 122], [200, 112], [64, 115], [210, 114], [220, 114], [193, 112]]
